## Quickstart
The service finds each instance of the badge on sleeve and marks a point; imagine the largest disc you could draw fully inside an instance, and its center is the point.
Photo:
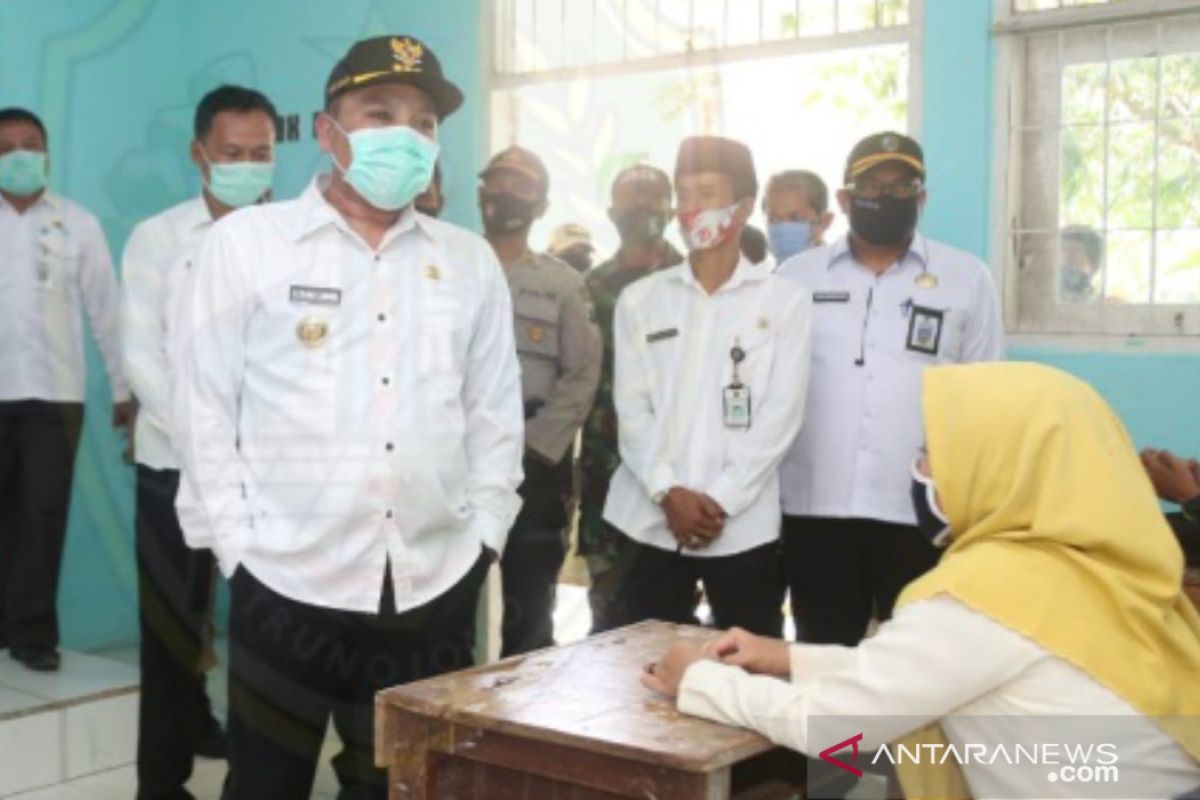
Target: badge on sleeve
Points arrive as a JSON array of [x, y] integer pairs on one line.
[[735, 400], [925, 330]]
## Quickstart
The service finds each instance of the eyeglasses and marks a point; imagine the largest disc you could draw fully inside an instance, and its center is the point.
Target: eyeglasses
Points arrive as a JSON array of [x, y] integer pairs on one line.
[[872, 189]]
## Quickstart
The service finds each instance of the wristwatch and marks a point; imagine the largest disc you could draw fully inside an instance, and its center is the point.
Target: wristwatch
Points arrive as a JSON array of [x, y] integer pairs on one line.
[[1191, 509]]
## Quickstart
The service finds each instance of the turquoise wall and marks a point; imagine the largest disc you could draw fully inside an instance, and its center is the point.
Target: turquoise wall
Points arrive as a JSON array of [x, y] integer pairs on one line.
[[117, 82]]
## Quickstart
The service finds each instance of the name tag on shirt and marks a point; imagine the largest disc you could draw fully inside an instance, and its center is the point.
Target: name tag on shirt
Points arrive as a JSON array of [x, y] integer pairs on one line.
[[831, 297], [316, 296], [658, 336], [925, 330]]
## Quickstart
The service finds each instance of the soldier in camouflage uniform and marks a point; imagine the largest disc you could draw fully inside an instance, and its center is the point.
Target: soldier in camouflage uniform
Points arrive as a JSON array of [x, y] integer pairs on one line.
[[641, 208]]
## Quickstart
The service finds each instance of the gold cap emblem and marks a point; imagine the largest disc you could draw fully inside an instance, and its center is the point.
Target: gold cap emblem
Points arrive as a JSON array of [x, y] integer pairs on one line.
[[408, 55]]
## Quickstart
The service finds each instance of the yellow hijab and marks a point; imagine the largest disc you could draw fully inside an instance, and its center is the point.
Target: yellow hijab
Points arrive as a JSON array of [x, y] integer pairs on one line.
[[1058, 536]]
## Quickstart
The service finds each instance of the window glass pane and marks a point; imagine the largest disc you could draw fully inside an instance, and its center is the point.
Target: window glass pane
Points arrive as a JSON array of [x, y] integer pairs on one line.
[[1180, 92], [1177, 271], [1130, 175], [856, 15], [1127, 267], [1081, 185], [1083, 87], [1133, 88], [1179, 174]]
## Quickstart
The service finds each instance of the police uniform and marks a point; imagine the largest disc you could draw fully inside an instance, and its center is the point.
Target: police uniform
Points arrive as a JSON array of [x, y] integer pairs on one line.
[[849, 536], [349, 423], [558, 346], [55, 267]]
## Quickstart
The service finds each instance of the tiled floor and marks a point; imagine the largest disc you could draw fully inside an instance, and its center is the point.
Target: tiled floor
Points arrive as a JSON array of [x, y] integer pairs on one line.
[[572, 620]]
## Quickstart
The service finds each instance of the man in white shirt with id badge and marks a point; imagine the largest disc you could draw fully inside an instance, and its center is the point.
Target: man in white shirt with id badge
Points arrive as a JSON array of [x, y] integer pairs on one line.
[[887, 304], [710, 378]]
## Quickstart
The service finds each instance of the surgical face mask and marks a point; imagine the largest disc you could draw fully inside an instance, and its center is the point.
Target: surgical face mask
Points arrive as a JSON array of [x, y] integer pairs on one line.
[[23, 172], [239, 183], [389, 166], [884, 221], [931, 520], [704, 230], [639, 225], [505, 212], [788, 238]]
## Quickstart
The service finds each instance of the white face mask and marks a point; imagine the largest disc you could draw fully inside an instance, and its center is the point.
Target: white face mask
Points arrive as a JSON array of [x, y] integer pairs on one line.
[[704, 230]]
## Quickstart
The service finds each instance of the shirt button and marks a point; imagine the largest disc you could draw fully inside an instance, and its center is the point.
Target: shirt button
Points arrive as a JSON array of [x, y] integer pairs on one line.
[[383, 317], [378, 258], [386, 381], [388, 514], [390, 447]]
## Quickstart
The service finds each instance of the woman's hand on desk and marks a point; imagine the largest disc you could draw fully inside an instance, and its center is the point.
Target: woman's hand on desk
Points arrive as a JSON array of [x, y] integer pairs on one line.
[[758, 654], [666, 674]]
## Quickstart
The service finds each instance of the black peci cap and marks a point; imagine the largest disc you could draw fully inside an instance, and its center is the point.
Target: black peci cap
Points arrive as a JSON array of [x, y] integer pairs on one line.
[[718, 154], [394, 59]]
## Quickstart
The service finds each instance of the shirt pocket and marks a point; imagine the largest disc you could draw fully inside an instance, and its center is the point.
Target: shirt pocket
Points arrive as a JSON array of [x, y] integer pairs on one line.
[[755, 370], [537, 328]]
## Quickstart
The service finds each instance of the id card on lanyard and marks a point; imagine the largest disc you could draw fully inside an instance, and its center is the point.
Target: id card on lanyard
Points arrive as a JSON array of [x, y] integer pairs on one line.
[[736, 401]]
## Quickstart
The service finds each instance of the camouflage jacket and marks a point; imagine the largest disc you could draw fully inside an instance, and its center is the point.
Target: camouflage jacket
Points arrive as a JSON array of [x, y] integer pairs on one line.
[[599, 456]]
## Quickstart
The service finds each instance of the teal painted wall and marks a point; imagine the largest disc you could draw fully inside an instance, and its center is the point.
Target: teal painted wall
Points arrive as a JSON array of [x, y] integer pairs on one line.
[[116, 82]]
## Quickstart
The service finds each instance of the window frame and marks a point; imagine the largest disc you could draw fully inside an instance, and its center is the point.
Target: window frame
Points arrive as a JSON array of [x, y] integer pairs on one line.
[[1157, 327]]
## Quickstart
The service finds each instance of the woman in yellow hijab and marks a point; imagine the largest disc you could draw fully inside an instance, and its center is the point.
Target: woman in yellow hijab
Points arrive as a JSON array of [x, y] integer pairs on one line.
[[1050, 653]]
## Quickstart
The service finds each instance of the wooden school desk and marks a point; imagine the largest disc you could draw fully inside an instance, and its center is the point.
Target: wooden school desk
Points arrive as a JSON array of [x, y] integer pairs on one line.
[[570, 722]]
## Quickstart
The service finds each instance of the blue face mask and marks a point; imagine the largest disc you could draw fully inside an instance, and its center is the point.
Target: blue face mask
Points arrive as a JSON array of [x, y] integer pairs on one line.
[[786, 239], [23, 172], [239, 183], [389, 166]]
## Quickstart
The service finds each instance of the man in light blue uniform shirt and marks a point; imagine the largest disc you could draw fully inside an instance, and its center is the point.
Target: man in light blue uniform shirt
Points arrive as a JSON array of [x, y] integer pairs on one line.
[[888, 303]]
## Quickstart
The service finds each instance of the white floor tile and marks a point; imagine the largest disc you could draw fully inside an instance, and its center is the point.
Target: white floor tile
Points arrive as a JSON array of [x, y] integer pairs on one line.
[[81, 675], [62, 792], [115, 784], [12, 702], [101, 735], [207, 779], [30, 752]]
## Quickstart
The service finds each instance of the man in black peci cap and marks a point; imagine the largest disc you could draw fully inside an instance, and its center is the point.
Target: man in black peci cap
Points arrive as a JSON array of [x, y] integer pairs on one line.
[[348, 408]]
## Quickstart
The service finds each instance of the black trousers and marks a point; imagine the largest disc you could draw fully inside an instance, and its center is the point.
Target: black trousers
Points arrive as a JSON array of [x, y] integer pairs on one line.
[[841, 572], [534, 556], [174, 585], [745, 589], [38, 442], [294, 665]]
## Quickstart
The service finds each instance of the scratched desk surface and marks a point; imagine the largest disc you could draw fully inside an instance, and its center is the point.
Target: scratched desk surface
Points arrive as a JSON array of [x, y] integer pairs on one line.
[[585, 695]]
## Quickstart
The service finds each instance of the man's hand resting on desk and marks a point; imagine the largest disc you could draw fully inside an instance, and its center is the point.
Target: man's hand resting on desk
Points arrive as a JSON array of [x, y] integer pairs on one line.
[[665, 675]]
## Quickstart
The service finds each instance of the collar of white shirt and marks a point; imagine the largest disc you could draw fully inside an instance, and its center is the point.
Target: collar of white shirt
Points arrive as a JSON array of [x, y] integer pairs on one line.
[[744, 272], [316, 213], [47, 200], [918, 250]]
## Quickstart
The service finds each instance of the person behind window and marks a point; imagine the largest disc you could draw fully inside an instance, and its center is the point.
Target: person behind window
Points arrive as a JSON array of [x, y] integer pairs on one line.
[[1082, 257]]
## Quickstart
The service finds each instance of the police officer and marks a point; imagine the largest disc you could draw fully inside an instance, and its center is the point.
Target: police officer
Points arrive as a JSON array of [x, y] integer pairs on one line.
[[348, 416], [233, 150], [888, 304], [558, 345], [711, 367], [640, 210], [56, 268]]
